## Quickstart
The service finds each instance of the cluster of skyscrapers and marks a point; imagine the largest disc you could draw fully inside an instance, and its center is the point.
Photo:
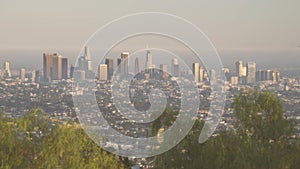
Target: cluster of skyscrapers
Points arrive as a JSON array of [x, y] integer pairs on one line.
[[106, 70], [31, 76], [249, 75], [55, 67], [6, 73]]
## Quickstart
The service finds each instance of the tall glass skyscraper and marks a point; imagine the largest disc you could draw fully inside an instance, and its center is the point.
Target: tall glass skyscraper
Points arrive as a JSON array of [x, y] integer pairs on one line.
[[251, 70]]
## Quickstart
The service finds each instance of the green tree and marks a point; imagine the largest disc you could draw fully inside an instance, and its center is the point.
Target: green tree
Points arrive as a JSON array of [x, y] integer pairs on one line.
[[261, 139], [33, 141]]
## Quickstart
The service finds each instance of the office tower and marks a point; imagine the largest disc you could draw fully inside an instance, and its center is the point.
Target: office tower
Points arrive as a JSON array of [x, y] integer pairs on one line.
[[124, 63], [32, 76], [149, 60], [175, 67], [22, 74], [7, 72], [37, 76], [164, 69], [57, 67], [137, 65], [102, 72], [88, 58], [276, 76], [85, 63], [239, 70], [196, 72], [234, 80], [259, 75], [268, 75], [64, 68], [213, 76], [72, 71], [263, 75], [110, 68], [82, 63], [227, 74], [201, 74], [244, 71], [119, 61], [47, 66], [251, 69]]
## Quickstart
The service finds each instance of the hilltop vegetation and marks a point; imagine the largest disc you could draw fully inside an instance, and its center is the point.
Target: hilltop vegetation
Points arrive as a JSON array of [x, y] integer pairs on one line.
[[31, 142], [262, 138]]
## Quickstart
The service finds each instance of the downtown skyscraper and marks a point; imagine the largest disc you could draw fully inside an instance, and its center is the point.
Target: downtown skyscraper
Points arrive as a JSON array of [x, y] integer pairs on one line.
[[57, 67], [47, 66], [137, 65], [123, 63], [251, 71], [102, 72], [7, 72], [22, 74], [64, 68], [54, 67], [149, 64], [196, 70], [110, 68], [175, 67]]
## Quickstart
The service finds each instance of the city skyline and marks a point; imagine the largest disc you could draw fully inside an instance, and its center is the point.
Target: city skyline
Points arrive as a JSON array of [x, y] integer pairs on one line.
[[56, 67]]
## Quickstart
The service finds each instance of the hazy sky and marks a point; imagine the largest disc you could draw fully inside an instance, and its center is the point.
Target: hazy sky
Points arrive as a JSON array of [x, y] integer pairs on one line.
[[232, 25]]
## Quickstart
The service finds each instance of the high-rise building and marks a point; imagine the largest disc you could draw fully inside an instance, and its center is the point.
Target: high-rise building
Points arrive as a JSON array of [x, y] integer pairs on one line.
[[137, 65], [7, 72], [124, 63], [263, 75], [32, 76], [72, 71], [110, 68], [119, 61], [268, 75], [149, 60], [57, 67], [37, 76], [259, 75], [244, 71], [276, 76], [201, 74], [251, 69], [227, 74], [22, 74], [103, 72], [47, 66], [65, 68], [82, 63], [85, 63], [239, 70], [88, 58], [213, 77], [234, 80], [164, 69], [175, 67], [196, 72]]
